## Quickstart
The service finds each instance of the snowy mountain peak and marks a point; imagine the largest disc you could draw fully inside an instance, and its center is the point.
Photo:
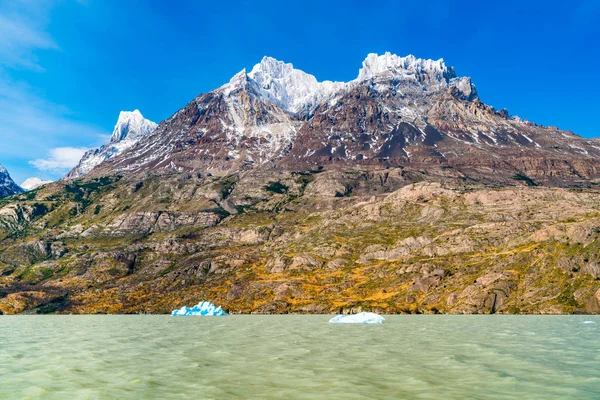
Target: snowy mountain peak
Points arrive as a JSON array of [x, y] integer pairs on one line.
[[237, 81], [129, 129], [130, 126], [33, 183], [389, 64], [296, 91], [290, 88], [273, 68], [239, 78], [7, 185]]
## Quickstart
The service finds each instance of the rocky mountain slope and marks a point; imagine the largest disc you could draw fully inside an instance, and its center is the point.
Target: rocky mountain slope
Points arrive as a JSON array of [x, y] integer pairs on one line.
[[129, 129], [308, 241], [7, 185], [399, 191]]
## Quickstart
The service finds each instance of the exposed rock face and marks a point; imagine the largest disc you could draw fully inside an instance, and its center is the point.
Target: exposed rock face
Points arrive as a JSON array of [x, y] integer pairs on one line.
[[7, 185], [130, 128], [15, 215], [143, 223]]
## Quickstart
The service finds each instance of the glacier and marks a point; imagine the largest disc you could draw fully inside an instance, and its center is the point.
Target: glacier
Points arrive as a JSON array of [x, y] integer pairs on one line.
[[360, 318], [202, 309]]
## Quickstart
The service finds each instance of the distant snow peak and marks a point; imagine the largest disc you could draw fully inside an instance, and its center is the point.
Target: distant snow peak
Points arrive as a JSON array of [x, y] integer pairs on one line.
[[7, 185], [33, 183], [129, 129]]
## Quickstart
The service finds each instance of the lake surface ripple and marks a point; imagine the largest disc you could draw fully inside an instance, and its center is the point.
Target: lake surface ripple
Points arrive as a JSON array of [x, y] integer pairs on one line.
[[299, 357]]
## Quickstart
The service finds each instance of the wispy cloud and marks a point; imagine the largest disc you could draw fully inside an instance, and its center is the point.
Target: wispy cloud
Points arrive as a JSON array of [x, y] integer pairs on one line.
[[24, 112], [22, 33], [60, 160], [31, 125]]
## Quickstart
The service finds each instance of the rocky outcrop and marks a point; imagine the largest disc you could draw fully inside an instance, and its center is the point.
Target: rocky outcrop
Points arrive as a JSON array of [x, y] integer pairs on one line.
[[144, 223]]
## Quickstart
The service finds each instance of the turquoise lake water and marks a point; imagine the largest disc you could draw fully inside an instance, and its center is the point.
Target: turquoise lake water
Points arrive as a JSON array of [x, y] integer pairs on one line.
[[299, 357]]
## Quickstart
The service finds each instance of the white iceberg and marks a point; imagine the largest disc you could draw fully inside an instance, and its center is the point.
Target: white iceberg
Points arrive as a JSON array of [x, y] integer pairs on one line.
[[204, 308], [360, 318]]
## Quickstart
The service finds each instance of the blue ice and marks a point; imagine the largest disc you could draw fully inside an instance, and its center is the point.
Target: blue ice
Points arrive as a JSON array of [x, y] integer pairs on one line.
[[204, 308]]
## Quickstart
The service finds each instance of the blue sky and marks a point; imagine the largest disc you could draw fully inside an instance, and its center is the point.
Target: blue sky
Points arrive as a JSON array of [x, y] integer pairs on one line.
[[68, 67]]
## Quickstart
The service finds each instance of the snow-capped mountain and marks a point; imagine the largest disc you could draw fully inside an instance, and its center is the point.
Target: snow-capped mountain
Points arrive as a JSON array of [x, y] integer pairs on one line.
[[296, 91], [33, 183], [398, 111], [7, 185], [291, 89], [130, 127]]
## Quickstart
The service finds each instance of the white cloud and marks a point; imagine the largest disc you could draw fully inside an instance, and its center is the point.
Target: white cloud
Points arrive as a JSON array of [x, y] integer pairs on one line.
[[60, 159]]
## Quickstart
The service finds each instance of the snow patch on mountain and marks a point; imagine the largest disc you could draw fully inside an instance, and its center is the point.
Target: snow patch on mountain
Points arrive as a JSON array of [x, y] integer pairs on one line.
[[274, 130], [33, 183], [129, 129]]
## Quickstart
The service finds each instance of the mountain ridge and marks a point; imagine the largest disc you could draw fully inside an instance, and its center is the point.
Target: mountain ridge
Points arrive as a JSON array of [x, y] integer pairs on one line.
[[278, 114]]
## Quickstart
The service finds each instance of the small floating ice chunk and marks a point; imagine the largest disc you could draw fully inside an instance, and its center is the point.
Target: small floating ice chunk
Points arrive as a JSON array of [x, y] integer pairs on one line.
[[204, 309], [360, 318], [588, 322]]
